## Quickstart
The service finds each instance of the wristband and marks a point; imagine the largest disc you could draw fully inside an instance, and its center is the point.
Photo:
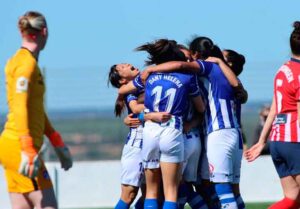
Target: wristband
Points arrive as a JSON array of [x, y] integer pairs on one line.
[[141, 117]]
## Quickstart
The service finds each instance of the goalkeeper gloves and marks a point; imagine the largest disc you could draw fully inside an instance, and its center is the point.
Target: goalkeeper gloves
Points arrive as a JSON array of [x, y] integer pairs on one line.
[[30, 162], [61, 150]]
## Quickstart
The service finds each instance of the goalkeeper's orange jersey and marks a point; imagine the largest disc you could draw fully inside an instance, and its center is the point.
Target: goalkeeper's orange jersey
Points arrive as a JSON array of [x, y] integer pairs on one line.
[[25, 95]]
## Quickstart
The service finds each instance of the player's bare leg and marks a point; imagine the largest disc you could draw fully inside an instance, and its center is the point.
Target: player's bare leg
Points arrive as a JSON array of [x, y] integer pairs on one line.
[[43, 199], [20, 201], [297, 178], [128, 193], [153, 179], [290, 189], [171, 177]]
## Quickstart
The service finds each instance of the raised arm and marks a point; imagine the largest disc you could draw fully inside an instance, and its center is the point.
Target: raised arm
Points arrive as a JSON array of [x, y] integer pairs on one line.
[[170, 67], [240, 92], [127, 88], [174, 66], [256, 149], [231, 77]]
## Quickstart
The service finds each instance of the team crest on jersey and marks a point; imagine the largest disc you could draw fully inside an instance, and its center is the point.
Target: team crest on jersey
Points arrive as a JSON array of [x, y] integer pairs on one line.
[[22, 84]]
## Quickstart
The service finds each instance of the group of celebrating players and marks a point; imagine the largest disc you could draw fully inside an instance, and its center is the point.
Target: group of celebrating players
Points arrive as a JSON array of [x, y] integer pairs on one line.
[[184, 113], [185, 126], [184, 109]]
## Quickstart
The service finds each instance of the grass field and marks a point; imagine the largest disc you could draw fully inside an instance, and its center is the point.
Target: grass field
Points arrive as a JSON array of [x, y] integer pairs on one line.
[[257, 205]]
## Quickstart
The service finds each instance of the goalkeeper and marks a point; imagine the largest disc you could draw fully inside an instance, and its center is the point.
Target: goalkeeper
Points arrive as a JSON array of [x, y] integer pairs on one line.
[[28, 181]]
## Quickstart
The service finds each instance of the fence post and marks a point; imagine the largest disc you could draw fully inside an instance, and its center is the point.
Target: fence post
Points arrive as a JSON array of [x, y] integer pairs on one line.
[[56, 189]]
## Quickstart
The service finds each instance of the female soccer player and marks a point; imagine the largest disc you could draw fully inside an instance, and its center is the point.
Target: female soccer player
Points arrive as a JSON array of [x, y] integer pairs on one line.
[[163, 142], [131, 160], [224, 146], [236, 62], [28, 181], [192, 152], [284, 121]]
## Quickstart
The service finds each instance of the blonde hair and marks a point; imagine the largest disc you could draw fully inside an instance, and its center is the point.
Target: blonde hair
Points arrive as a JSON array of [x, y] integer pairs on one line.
[[32, 23]]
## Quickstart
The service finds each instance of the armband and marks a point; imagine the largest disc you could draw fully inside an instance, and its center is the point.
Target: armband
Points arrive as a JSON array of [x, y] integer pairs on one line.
[[141, 117]]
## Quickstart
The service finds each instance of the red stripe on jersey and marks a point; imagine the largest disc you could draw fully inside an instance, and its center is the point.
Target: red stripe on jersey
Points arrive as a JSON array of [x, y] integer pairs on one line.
[[294, 128], [282, 136], [274, 136]]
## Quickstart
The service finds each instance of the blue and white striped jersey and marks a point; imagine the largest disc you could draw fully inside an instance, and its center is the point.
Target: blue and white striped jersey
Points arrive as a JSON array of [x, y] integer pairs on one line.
[[222, 109], [169, 92], [135, 135]]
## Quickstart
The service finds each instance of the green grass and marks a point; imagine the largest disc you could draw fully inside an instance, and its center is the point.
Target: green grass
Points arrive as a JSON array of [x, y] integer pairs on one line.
[[257, 205]]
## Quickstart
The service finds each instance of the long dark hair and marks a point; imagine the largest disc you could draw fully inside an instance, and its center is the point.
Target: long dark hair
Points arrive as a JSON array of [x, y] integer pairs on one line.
[[236, 60], [205, 47], [114, 79], [119, 105], [295, 38], [162, 50]]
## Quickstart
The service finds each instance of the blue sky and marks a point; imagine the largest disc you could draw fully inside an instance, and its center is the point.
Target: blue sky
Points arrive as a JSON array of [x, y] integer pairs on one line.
[[86, 37]]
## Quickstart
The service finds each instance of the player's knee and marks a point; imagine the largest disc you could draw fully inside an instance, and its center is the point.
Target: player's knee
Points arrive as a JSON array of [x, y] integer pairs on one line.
[[132, 195], [129, 198], [129, 195], [293, 193]]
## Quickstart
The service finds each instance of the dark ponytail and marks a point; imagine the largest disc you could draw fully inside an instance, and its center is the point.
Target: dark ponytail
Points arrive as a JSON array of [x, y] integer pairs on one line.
[[295, 39], [235, 60], [205, 48], [162, 50]]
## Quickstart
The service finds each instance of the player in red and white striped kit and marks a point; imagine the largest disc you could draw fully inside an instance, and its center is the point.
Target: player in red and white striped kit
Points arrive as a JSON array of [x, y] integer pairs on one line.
[[284, 120]]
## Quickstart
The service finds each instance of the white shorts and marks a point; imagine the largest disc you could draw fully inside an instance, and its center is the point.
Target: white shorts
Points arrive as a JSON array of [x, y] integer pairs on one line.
[[161, 144], [132, 166], [192, 151], [224, 153]]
